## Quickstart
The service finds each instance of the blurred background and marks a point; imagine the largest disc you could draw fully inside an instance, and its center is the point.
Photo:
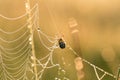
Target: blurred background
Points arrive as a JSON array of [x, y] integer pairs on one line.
[[90, 27]]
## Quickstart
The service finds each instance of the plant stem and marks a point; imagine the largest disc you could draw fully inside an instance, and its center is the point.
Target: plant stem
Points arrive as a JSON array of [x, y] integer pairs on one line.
[[31, 37]]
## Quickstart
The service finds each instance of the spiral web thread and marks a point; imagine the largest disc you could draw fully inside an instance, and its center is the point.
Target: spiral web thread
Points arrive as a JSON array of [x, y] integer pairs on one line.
[[16, 61]]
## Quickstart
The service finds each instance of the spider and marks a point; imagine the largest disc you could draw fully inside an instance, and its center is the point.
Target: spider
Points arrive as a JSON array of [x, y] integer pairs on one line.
[[61, 43]]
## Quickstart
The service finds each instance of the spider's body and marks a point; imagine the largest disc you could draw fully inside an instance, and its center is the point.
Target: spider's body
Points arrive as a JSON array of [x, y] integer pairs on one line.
[[61, 43]]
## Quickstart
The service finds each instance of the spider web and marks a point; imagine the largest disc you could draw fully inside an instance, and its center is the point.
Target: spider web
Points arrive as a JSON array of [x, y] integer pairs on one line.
[[16, 59]]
